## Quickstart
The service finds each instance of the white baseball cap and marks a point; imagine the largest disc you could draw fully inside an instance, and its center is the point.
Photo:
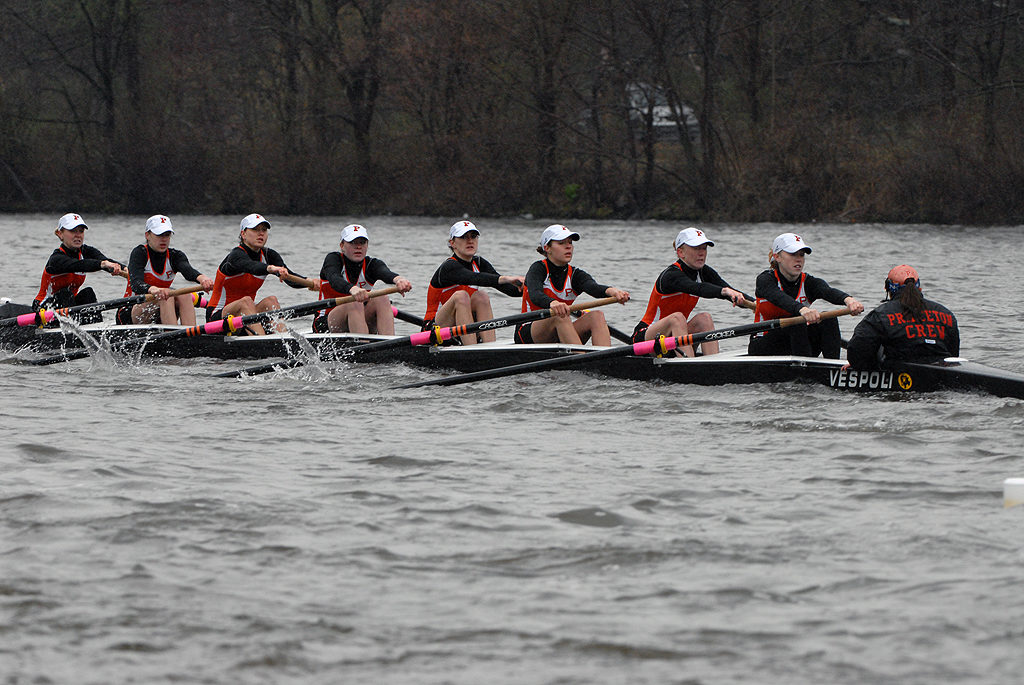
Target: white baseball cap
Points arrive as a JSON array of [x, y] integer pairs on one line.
[[159, 224], [694, 237], [352, 232], [461, 228], [252, 221], [789, 242], [557, 232], [69, 221]]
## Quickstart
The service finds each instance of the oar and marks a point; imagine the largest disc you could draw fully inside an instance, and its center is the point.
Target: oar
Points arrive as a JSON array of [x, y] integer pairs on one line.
[[407, 317], [226, 325], [44, 316], [298, 280], [659, 345], [434, 336], [621, 336]]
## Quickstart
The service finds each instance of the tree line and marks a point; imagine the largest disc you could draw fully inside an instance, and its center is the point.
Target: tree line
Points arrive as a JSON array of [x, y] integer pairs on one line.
[[782, 110]]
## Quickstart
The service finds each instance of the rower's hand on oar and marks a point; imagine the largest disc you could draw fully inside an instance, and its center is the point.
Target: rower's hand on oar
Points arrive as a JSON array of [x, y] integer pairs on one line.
[[735, 296], [810, 315], [114, 268], [359, 294], [619, 294], [403, 284], [278, 271], [517, 281], [855, 306], [560, 309], [160, 293], [205, 281], [314, 285]]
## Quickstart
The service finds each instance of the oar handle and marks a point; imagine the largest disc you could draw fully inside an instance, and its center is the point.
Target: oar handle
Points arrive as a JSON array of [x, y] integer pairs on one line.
[[579, 306], [373, 293], [797, 320], [298, 280], [175, 293]]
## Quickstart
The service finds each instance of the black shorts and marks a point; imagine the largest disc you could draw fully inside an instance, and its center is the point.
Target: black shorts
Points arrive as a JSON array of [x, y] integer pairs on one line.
[[639, 332], [123, 317], [523, 334], [320, 324]]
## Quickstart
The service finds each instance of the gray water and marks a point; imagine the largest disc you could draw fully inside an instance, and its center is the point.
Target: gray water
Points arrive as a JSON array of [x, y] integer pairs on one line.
[[314, 526]]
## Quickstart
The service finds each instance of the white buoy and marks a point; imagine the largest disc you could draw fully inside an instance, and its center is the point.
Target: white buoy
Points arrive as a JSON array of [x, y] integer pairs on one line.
[[1013, 492]]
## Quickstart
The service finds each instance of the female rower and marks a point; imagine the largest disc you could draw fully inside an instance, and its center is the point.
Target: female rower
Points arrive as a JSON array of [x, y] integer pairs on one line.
[[64, 274], [243, 271], [677, 290], [906, 328], [786, 290], [152, 267], [350, 272], [551, 283], [454, 297]]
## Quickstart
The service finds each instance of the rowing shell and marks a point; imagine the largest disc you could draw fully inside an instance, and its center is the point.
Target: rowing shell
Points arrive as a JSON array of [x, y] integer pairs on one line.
[[722, 369]]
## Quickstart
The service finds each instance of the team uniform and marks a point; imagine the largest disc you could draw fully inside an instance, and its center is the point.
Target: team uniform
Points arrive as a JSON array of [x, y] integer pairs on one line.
[[546, 283], [779, 298], [340, 274], [147, 268], [241, 274], [891, 334], [63, 276], [677, 289], [456, 274]]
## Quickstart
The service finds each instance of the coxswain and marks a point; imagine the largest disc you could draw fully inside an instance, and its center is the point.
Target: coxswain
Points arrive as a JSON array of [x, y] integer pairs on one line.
[[455, 296], [152, 267], [65, 271], [907, 327], [552, 283], [786, 290], [243, 271], [677, 290], [348, 271]]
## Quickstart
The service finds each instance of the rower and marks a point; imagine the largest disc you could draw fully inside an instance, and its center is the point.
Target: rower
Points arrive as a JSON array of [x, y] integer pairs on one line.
[[784, 290], [552, 283], [64, 274], [152, 267], [454, 296], [907, 327], [243, 272], [348, 271], [677, 290]]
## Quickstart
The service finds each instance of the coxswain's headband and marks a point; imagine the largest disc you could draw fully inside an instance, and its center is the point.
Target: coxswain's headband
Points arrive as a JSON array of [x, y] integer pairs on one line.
[[898, 277]]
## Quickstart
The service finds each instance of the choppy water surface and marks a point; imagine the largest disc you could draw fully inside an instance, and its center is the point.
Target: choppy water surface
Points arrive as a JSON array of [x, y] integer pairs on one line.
[[160, 525]]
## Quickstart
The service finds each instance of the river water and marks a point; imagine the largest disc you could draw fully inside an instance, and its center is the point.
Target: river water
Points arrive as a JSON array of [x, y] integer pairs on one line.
[[159, 525]]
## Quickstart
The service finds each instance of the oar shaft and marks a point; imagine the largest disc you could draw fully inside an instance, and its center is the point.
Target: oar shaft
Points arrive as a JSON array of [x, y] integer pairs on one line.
[[436, 335], [44, 316], [231, 324], [439, 335], [639, 349]]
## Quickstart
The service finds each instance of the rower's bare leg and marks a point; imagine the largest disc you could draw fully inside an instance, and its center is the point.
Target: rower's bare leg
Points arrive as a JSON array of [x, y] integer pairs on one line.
[[267, 304], [673, 325], [481, 305], [168, 315], [555, 329], [348, 318], [145, 313], [379, 317], [186, 311], [593, 325], [457, 311], [701, 324]]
